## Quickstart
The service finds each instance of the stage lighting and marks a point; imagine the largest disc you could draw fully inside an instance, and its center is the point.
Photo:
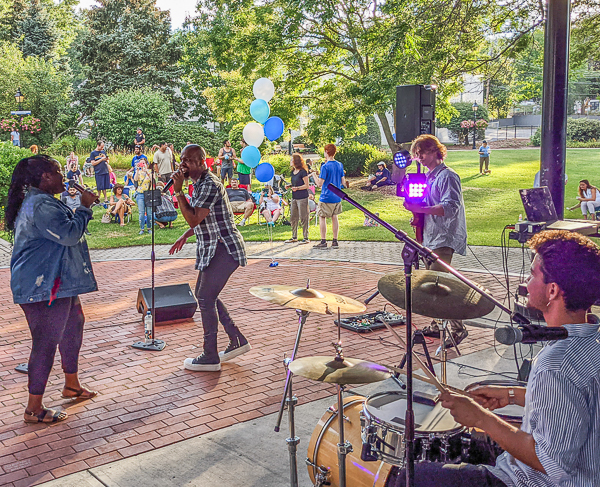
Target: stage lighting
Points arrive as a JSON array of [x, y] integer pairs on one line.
[[402, 159], [415, 187]]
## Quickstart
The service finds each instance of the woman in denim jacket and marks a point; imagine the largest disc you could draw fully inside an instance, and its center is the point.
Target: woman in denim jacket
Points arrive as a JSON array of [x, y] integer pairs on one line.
[[50, 267]]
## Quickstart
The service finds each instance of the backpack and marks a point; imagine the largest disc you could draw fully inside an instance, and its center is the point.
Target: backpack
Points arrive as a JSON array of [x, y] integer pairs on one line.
[[166, 208]]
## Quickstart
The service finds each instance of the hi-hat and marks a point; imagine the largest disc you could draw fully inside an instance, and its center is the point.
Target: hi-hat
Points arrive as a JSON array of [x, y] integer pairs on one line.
[[307, 299], [335, 371], [436, 295]]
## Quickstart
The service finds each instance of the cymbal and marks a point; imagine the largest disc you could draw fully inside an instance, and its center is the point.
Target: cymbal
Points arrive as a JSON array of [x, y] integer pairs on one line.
[[307, 299], [435, 294], [328, 369]]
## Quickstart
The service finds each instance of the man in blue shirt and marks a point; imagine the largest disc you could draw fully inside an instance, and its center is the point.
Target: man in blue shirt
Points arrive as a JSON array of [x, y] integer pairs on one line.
[[99, 160], [330, 205], [484, 158], [137, 157], [381, 178]]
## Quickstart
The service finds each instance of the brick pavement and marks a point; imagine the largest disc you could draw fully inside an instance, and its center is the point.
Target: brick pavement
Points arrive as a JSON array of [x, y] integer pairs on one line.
[[147, 400]]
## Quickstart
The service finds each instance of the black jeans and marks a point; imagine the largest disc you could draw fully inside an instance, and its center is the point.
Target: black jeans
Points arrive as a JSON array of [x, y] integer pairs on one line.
[[208, 286], [433, 474], [60, 324]]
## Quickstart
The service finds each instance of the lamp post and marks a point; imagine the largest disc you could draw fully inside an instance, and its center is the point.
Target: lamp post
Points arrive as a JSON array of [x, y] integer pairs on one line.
[[474, 107], [19, 99]]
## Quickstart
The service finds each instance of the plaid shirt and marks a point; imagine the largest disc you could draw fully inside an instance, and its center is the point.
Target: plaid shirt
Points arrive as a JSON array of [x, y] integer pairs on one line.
[[218, 226]]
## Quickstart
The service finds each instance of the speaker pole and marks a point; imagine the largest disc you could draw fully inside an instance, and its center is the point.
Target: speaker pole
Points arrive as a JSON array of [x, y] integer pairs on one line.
[[150, 343]]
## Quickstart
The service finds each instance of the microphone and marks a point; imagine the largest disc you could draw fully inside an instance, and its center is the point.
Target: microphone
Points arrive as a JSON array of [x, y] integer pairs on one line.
[[170, 183], [80, 188], [507, 335]]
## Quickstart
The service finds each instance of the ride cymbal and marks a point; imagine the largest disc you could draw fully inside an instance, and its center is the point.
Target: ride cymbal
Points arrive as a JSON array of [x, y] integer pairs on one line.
[[436, 295], [334, 371], [307, 299]]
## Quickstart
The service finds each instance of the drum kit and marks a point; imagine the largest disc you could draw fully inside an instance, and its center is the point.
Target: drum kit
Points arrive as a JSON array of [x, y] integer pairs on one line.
[[375, 424], [390, 444]]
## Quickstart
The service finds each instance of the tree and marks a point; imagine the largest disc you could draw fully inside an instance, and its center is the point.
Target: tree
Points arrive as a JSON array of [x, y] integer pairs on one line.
[[38, 34], [464, 112], [118, 115], [342, 60], [127, 44]]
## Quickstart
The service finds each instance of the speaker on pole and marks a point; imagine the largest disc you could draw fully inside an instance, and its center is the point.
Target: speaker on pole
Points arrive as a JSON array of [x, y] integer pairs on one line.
[[415, 111]]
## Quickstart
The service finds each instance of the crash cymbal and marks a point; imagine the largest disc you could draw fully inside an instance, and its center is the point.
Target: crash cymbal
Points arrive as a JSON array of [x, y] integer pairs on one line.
[[435, 294], [348, 371], [307, 299]]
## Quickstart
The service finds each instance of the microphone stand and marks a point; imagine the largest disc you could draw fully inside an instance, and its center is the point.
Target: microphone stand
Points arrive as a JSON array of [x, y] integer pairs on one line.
[[151, 343], [410, 255]]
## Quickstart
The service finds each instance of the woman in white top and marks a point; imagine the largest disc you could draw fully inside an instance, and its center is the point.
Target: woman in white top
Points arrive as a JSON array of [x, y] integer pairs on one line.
[[271, 205], [589, 199]]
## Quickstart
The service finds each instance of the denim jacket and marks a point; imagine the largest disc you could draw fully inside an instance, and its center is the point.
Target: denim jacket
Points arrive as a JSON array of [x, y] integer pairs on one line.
[[50, 257]]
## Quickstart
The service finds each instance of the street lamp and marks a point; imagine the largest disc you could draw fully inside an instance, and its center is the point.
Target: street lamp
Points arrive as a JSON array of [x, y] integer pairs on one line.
[[19, 98], [474, 107]]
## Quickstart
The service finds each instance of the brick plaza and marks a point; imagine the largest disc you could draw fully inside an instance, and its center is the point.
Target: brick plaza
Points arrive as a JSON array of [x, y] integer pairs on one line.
[[147, 400]]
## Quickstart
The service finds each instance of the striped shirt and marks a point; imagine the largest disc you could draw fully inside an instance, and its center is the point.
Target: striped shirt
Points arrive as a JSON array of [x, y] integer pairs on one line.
[[449, 230], [562, 412], [219, 224]]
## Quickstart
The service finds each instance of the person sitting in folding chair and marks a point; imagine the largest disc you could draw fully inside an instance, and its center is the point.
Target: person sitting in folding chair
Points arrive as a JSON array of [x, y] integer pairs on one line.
[[271, 205], [120, 203], [241, 201]]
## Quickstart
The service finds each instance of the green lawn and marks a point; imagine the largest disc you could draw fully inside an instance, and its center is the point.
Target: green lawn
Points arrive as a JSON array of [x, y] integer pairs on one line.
[[491, 203]]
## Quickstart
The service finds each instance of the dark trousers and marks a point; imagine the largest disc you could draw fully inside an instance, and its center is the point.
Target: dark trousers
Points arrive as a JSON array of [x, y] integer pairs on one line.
[[482, 161], [60, 324], [435, 474], [208, 286]]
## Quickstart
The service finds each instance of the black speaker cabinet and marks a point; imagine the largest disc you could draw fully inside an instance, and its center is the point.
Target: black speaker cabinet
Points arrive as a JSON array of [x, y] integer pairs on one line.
[[171, 303], [415, 112]]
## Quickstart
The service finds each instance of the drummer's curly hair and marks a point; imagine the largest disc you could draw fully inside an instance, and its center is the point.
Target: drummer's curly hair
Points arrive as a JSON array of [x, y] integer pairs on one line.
[[572, 261]]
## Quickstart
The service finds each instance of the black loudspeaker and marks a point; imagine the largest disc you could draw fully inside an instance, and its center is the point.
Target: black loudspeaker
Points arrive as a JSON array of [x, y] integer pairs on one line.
[[415, 112], [171, 303]]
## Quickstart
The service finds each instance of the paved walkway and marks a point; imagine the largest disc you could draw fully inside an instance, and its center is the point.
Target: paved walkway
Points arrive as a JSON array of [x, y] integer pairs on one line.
[[478, 258]]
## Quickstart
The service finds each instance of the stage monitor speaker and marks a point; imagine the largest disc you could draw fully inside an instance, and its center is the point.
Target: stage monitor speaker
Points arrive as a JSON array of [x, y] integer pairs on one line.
[[415, 112], [176, 302]]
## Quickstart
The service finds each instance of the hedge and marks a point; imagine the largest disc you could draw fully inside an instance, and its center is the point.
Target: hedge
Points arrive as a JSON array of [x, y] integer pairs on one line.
[[584, 130], [360, 159], [10, 155]]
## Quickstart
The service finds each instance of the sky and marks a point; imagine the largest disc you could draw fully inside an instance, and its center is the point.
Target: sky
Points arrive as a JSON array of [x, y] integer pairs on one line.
[[179, 9]]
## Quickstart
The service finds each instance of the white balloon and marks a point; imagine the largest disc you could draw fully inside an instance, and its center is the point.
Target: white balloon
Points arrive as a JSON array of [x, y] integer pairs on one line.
[[253, 134], [263, 89]]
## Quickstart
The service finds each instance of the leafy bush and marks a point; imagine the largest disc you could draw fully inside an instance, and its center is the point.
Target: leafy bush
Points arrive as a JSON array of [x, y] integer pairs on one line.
[[371, 164], [64, 146], [117, 116], [9, 157], [180, 133], [85, 146], [579, 130], [465, 112], [280, 162], [357, 158]]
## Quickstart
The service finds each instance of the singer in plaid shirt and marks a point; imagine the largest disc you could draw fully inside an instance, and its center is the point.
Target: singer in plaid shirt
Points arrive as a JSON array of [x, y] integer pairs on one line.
[[220, 251]]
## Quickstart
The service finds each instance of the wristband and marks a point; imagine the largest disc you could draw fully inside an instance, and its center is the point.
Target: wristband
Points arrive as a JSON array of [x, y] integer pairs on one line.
[[511, 396], [179, 193]]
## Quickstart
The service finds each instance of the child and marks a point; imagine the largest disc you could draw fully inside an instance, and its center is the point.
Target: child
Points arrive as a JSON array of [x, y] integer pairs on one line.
[[484, 158]]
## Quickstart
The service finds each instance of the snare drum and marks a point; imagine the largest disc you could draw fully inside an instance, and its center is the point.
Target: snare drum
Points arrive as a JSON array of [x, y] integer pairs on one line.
[[383, 418], [322, 458]]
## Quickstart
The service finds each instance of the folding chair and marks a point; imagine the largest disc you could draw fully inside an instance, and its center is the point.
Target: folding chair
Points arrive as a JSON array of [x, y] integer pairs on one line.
[[238, 216]]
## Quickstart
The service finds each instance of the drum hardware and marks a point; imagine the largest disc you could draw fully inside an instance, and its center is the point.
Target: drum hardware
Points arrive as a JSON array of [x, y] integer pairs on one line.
[[442, 349], [304, 300], [419, 339], [435, 294]]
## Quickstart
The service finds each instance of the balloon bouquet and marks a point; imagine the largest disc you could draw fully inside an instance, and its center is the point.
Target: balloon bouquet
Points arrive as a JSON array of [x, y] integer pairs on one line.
[[255, 132]]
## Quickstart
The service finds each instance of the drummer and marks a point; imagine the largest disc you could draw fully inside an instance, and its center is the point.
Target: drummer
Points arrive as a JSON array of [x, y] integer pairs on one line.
[[559, 441]]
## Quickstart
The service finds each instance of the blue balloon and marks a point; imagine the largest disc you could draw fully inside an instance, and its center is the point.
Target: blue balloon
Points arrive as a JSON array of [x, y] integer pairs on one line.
[[264, 172], [251, 156], [274, 128], [259, 109]]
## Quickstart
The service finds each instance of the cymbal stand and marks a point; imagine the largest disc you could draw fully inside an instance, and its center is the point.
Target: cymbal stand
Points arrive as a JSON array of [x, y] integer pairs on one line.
[[290, 401], [344, 447], [410, 255], [442, 348]]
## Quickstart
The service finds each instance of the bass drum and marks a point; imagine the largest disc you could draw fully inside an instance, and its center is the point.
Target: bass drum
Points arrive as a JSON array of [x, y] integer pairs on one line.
[[322, 451]]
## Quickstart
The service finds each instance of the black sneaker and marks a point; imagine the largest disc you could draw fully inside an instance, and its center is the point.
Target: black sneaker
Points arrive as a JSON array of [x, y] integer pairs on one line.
[[202, 363], [335, 245], [321, 245], [432, 330], [458, 335], [237, 346]]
